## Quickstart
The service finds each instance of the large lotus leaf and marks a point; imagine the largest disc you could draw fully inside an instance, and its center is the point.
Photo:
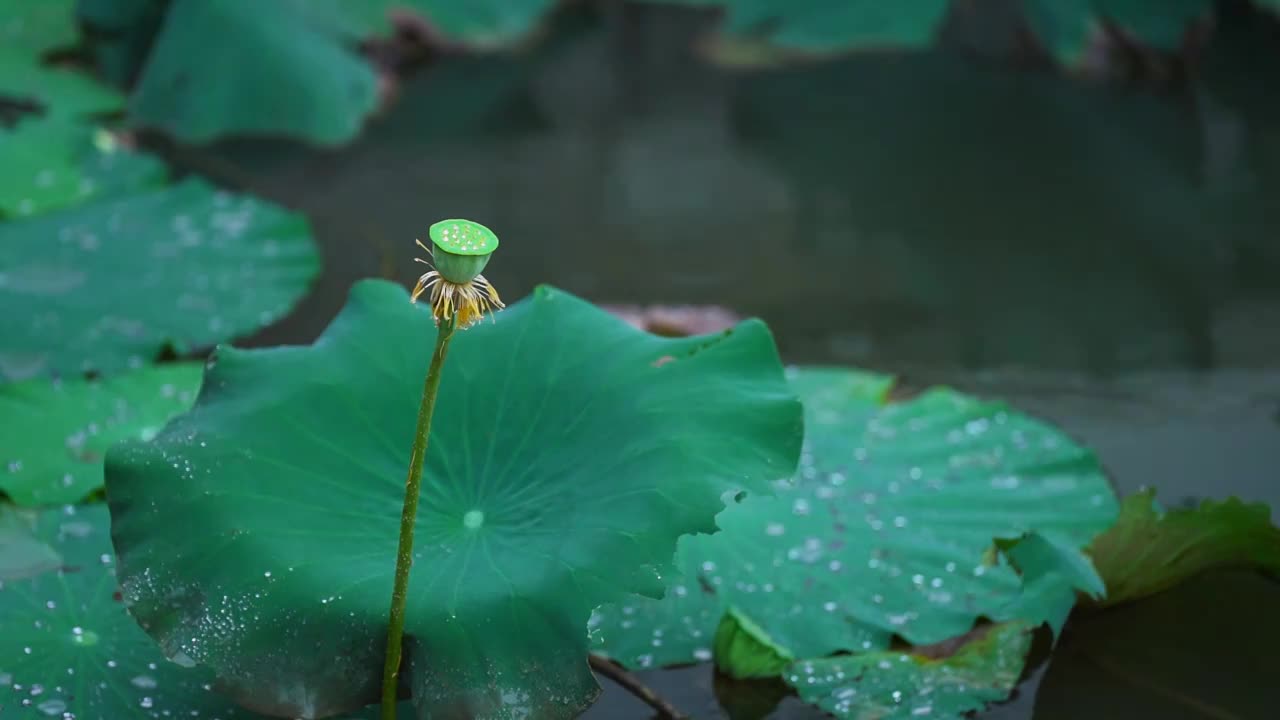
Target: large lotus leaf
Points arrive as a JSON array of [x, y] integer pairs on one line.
[[53, 162], [258, 532], [1149, 550], [38, 25], [69, 648], [280, 77], [60, 91], [887, 529], [900, 686], [107, 285], [57, 432]]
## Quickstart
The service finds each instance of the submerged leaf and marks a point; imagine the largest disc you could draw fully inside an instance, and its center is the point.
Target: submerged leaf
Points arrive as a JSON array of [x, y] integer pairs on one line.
[[69, 648], [107, 285], [57, 432], [53, 162], [895, 685], [1149, 550], [883, 531], [569, 452]]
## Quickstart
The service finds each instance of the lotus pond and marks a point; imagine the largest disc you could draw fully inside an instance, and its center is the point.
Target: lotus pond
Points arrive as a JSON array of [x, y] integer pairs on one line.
[[823, 381]]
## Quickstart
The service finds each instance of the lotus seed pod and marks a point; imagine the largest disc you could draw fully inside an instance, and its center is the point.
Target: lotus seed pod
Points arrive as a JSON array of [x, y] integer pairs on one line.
[[462, 249]]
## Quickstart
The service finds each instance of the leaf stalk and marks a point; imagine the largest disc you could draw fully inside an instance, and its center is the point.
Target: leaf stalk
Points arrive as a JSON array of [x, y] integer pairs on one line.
[[408, 519]]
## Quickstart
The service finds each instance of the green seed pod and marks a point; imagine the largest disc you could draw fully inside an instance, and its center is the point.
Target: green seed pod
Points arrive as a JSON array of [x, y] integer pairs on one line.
[[462, 249]]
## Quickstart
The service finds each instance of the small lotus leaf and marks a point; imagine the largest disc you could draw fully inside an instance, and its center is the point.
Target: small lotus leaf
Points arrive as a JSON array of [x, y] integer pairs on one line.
[[21, 553], [887, 529], [1053, 571], [257, 533], [70, 649], [25, 77], [825, 26], [57, 432], [107, 285], [478, 23], [906, 686]]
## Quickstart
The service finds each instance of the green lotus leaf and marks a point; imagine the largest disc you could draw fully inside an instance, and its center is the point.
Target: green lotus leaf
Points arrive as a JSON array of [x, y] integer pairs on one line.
[[257, 533], [69, 647], [53, 162], [1054, 571], [902, 686], [1149, 550], [832, 25], [21, 553], [121, 34], [887, 529], [282, 76], [38, 26], [745, 649], [25, 77], [479, 23], [107, 285], [57, 432]]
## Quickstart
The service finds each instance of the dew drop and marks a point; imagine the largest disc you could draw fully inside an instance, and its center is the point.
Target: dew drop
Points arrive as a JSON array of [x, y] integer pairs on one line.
[[473, 519], [145, 682], [52, 706]]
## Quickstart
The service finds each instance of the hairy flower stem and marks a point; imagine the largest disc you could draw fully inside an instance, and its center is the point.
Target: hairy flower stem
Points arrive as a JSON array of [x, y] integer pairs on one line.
[[408, 518]]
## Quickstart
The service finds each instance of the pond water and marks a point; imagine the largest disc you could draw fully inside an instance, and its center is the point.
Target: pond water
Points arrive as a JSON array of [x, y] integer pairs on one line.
[[1103, 255]]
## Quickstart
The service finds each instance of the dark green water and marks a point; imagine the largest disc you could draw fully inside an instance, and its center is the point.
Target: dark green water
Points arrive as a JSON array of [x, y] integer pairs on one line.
[[1103, 255]]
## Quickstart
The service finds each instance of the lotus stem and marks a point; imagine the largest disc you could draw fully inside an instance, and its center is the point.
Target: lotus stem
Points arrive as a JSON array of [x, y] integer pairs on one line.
[[409, 517]]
